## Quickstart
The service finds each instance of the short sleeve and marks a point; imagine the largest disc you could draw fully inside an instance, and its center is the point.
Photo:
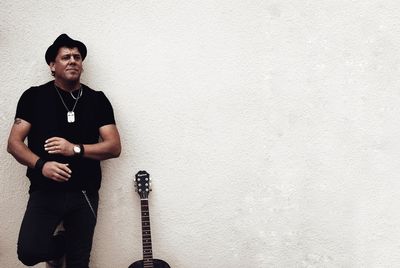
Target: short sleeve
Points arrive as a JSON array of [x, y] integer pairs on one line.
[[105, 110], [25, 107]]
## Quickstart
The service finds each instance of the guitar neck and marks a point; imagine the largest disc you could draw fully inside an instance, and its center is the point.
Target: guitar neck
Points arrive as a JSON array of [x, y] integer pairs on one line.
[[146, 234]]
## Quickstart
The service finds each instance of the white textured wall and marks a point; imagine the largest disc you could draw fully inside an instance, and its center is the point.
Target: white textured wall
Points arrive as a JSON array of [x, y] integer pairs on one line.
[[271, 128]]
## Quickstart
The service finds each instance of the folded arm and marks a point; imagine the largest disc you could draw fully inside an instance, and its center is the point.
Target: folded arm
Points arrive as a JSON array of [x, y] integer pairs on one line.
[[16, 146], [109, 145]]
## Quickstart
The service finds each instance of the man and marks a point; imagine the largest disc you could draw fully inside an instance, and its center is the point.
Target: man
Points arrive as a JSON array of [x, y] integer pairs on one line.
[[70, 129]]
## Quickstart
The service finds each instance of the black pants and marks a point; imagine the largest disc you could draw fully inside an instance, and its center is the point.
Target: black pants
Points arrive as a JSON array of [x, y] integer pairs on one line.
[[45, 210]]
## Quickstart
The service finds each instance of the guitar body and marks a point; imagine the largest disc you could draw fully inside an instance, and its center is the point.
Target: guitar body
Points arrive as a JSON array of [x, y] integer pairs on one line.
[[156, 264]]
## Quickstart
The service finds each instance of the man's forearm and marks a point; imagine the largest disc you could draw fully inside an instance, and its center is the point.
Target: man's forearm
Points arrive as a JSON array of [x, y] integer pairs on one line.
[[102, 150], [22, 153]]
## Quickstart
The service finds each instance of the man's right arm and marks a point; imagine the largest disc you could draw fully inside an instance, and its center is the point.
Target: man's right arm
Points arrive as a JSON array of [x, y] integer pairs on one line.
[[16, 146]]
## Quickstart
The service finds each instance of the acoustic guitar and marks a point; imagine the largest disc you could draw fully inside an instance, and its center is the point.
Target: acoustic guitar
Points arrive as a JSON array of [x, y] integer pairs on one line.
[[143, 188]]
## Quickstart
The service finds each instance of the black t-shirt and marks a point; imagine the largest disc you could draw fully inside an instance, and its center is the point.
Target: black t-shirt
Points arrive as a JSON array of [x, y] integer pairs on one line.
[[42, 107]]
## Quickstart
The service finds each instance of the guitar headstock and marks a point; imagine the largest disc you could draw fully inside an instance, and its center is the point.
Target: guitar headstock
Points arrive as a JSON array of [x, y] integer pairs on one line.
[[143, 184]]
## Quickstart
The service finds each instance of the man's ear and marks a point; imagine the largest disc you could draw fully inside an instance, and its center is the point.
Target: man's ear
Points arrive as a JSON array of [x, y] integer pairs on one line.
[[52, 68]]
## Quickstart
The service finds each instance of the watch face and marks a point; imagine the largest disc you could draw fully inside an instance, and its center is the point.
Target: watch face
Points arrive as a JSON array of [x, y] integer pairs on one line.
[[77, 149]]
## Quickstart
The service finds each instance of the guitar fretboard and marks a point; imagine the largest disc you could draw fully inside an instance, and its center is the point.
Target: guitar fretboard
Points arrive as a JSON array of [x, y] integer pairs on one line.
[[146, 235]]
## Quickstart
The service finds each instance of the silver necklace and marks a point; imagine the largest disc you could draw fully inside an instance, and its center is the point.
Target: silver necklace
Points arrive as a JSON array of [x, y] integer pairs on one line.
[[70, 114], [79, 94]]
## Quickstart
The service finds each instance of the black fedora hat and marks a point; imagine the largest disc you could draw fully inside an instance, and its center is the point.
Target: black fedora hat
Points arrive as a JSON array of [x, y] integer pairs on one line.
[[64, 41]]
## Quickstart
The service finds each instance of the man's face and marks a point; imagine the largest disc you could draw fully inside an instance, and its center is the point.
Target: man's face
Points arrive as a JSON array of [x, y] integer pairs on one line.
[[67, 65]]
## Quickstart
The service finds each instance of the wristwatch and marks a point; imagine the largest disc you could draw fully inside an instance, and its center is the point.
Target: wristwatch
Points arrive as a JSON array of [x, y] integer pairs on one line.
[[78, 150]]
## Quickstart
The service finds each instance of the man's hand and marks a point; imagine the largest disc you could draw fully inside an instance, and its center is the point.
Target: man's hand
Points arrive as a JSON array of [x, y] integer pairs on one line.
[[56, 171], [56, 145]]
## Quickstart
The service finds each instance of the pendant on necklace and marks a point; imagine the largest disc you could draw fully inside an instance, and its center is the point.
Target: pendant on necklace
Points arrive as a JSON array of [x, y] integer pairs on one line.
[[70, 117]]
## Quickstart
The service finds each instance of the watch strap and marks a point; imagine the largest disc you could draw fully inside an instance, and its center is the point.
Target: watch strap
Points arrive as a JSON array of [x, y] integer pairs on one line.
[[82, 150]]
